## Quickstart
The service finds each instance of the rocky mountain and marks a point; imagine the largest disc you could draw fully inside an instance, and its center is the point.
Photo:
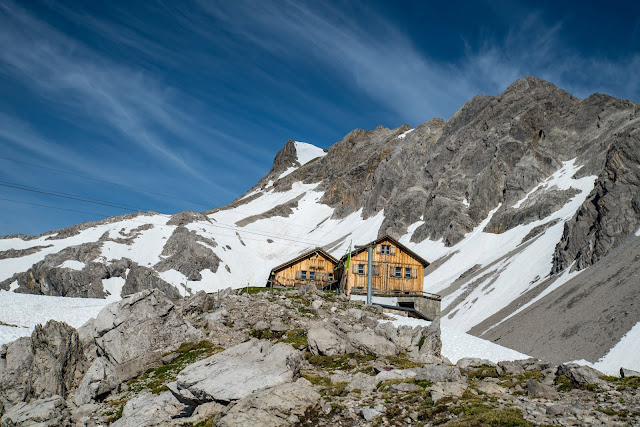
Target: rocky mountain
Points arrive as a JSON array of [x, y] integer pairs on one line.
[[526, 203]]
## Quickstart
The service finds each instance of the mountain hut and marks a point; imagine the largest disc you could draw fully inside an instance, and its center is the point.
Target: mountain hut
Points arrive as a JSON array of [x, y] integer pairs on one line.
[[313, 267], [396, 269]]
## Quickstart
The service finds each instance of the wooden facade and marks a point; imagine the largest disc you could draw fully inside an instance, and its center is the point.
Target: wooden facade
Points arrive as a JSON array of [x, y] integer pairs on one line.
[[395, 268], [314, 267]]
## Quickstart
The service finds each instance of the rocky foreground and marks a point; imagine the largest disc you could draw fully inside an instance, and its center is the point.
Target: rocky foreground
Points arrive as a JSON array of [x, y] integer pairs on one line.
[[282, 358]]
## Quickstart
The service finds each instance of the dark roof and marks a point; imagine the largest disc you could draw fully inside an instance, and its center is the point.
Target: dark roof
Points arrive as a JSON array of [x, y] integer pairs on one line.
[[306, 255], [418, 258]]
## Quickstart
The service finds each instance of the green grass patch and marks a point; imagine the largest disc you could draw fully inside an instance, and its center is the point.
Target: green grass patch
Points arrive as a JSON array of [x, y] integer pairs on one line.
[[316, 379], [252, 290], [265, 334], [482, 372], [628, 383], [296, 337], [155, 379], [485, 415], [421, 342], [401, 361]]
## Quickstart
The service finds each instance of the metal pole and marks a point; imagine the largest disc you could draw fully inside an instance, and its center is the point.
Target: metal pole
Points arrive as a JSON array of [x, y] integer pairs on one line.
[[369, 274]]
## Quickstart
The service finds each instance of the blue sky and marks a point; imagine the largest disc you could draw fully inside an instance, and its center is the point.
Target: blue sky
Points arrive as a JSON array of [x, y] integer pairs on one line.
[[193, 99]]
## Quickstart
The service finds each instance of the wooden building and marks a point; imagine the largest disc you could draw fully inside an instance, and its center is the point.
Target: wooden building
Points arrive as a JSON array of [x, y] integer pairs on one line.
[[313, 267], [396, 269]]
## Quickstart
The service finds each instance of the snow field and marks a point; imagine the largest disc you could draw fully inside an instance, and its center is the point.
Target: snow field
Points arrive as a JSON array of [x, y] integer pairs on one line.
[[27, 311]]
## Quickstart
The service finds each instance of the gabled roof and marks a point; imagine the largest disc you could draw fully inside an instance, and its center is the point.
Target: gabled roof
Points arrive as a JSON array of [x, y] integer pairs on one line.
[[414, 255], [306, 255]]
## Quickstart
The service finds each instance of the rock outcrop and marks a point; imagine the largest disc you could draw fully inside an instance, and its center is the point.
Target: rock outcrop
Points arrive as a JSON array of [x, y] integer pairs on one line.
[[238, 372], [49, 363], [130, 336]]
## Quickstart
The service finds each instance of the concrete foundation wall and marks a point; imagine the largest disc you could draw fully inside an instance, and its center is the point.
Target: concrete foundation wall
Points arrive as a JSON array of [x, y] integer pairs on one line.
[[428, 307]]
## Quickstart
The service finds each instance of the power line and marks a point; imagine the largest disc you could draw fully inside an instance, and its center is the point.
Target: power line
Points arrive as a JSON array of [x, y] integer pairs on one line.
[[66, 196], [219, 225], [133, 220], [129, 187], [104, 181]]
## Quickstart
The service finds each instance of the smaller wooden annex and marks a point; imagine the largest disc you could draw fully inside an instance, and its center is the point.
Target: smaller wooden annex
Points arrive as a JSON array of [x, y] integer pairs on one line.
[[315, 267], [396, 269]]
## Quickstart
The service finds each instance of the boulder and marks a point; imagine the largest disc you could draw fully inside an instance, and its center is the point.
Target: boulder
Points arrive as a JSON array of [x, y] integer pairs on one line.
[[147, 409], [510, 367], [438, 372], [363, 382], [395, 374], [45, 412], [447, 389], [536, 389], [419, 342], [371, 413], [282, 405], [326, 340], [579, 374], [49, 363], [488, 387], [368, 341], [239, 371], [200, 302], [468, 363], [624, 373]]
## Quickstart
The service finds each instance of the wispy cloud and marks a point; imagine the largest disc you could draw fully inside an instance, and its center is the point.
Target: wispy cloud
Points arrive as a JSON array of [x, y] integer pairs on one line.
[[97, 92], [380, 60]]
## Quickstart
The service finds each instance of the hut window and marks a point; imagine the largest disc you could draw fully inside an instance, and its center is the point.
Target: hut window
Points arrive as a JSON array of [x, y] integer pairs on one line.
[[303, 275], [384, 249], [360, 268], [407, 273], [330, 277], [312, 275], [398, 271]]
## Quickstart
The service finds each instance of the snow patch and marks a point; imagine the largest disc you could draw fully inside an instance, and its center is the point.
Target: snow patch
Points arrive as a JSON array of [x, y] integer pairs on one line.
[[14, 286], [307, 152], [26, 311], [403, 135], [113, 286], [73, 264], [562, 179], [457, 345]]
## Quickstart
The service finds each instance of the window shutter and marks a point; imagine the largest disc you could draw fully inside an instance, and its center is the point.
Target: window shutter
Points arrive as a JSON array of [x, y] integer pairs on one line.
[[393, 250], [354, 269], [392, 272], [376, 270], [379, 249], [414, 273], [298, 275]]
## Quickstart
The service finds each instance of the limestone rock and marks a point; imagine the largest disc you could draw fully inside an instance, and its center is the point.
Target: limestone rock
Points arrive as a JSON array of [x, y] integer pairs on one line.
[[282, 405], [326, 340], [438, 372], [100, 378], [579, 374], [239, 371], [147, 409], [538, 390], [467, 363], [42, 412], [624, 373], [447, 389], [49, 363], [130, 336]]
